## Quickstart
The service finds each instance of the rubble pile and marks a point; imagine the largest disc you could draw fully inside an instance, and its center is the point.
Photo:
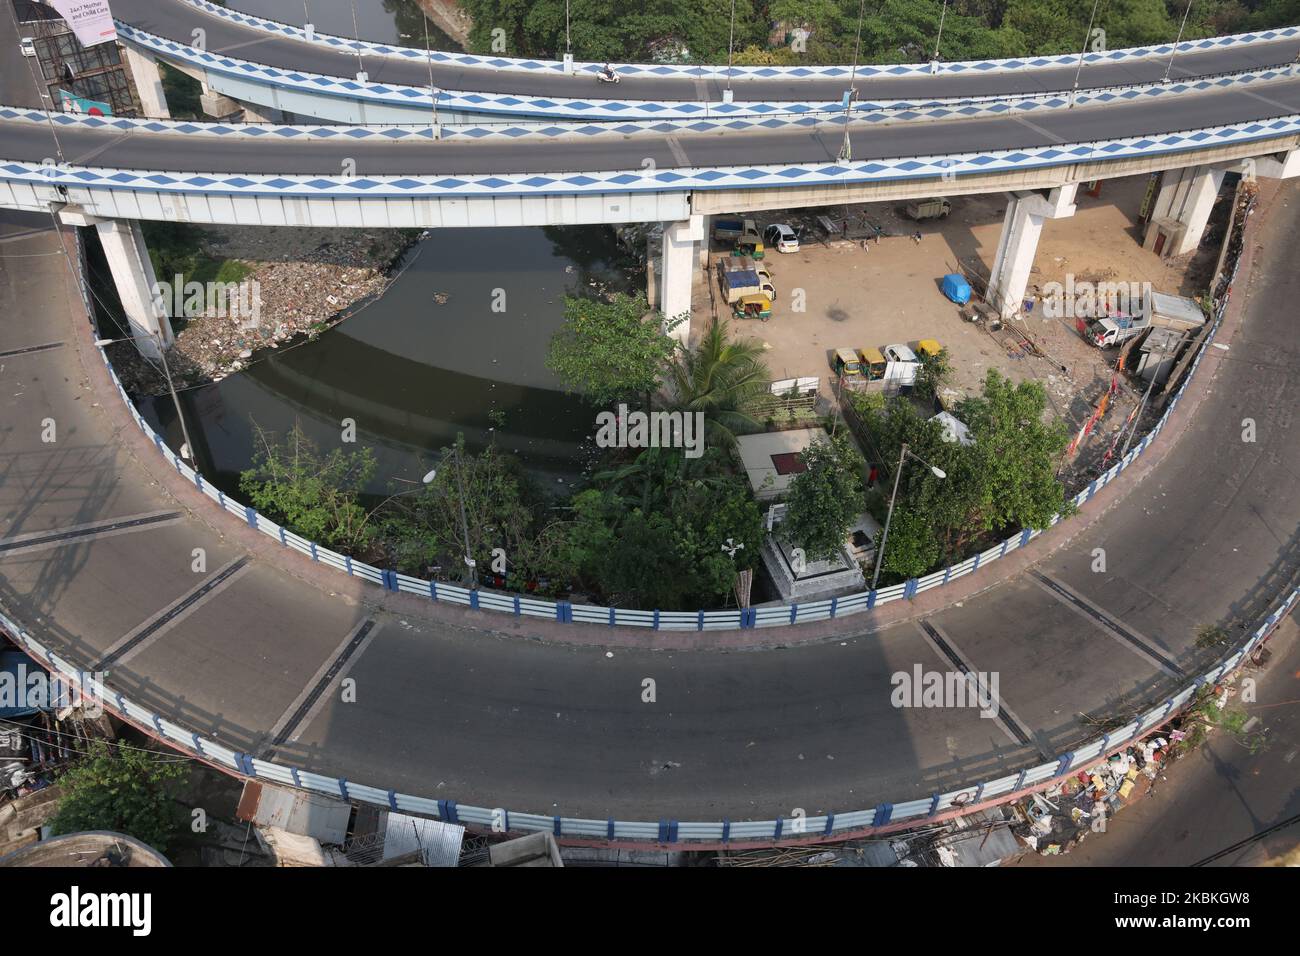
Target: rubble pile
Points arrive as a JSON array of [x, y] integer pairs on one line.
[[306, 281]]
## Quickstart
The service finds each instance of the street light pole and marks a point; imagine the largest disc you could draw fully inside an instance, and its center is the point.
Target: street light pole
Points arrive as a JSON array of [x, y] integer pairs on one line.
[[942, 16], [1088, 36], [731, 39], [1174, 52], [846, 149], [187, 449], [433, 93], [472, 571], [903, 455], [454, 452], [880, 552]]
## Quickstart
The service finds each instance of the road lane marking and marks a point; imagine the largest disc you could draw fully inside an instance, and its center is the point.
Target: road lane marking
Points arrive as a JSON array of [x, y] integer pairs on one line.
[[142, 637], [299, 714], [37, 540], [31, 348], [951, 654], [1143, 646], [679, 154], [1039, 130]]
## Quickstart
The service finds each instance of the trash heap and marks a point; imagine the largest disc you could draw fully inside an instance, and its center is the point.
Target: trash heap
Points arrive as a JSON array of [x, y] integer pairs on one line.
[[1059, 819]]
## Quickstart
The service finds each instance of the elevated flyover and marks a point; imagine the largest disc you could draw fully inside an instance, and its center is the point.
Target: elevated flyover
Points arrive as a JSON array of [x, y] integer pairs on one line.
[[281, 67], [105, 173], [97, 538]]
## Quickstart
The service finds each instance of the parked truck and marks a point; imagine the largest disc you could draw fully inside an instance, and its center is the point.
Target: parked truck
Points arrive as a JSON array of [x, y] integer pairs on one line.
[[746, 264], [738, 283], [929, 209], [1112, 330], [730, 230]]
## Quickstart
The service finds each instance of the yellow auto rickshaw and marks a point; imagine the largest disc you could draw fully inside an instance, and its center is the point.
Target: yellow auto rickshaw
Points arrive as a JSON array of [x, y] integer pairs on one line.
[[873, 364], [749, 244], [929, 347], [756, 306], [847, 363]]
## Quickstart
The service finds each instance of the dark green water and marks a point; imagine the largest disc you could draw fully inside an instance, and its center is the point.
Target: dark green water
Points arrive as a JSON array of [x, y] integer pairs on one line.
[[413, 373]]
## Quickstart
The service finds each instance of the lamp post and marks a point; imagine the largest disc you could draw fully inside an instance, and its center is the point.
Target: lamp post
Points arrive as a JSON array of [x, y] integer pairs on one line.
[[187, 449], [942, 16], [731, 39], [454, 452], [1087, 37], [902, 458], [433, 93], [356, 36], [1174, 52], [846, 149]]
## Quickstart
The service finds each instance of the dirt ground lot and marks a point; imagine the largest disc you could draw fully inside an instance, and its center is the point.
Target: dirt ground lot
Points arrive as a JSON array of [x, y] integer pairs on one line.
[[889, 292]]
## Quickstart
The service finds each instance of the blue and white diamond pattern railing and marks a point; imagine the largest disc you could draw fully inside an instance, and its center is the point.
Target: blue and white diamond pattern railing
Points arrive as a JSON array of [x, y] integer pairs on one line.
[[830, 824], [643, 180], [419, 102], [694, 72], [878, 112]]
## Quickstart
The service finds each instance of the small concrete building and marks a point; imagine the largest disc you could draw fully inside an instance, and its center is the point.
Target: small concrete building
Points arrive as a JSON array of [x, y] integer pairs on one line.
[[771, 459]]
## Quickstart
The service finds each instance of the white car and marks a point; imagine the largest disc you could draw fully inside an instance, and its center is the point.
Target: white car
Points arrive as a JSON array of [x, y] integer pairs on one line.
[[900, 353], [28, 46], [781, 237]]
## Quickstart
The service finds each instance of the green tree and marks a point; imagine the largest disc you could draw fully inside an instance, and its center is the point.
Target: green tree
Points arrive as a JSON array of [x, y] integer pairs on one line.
[[124, 789], [652, 533], [1015, 454], [503, 509], [722, 377], [313, 493], [912, 549], [824, 500], [935, 372], [1003, 481], [610, 351]]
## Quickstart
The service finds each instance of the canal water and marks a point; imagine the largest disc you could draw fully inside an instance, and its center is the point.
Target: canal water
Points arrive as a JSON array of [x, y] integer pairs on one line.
[[430, 358]]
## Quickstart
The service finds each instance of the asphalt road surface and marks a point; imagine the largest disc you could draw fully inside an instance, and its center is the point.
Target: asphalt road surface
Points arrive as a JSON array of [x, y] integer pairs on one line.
[[108, 148], [250, 651], [176, 20]]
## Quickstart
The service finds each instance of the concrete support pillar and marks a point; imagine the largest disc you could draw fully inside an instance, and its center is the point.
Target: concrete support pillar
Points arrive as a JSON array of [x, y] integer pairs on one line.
[[706, 226], [128, 261], [254, 113], [677, 272], [1186, 197], [1021, 229], [218, 105], [148, 83]]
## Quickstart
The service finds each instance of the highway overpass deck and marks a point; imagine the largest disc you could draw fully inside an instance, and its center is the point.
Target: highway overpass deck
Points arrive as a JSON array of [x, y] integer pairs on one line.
[[176, 152], [223, 34]]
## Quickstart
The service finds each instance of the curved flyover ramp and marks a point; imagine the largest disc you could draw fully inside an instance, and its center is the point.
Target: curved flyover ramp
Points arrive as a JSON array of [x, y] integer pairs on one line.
[[97, 560]]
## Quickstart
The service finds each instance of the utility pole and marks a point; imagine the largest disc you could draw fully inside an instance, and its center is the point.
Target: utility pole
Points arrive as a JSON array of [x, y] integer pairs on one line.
[[846, 148], [1174, 52], [1086, 38]]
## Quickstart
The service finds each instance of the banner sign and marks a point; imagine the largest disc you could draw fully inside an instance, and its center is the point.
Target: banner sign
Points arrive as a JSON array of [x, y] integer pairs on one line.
[[91, 20], [72, 103]]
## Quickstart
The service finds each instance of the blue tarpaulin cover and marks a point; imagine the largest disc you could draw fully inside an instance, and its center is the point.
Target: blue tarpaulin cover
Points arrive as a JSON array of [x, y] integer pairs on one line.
[[956, 288]]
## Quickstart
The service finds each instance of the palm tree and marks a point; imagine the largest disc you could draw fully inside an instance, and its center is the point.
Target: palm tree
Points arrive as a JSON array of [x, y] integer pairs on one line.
[[723, 378]]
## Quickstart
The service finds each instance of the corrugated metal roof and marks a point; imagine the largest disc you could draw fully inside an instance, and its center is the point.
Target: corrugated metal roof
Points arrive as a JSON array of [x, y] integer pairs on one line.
[[438, 842]]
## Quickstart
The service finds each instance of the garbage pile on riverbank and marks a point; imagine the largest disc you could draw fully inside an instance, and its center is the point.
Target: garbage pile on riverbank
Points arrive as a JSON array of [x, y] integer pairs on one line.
[[302, 282]]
